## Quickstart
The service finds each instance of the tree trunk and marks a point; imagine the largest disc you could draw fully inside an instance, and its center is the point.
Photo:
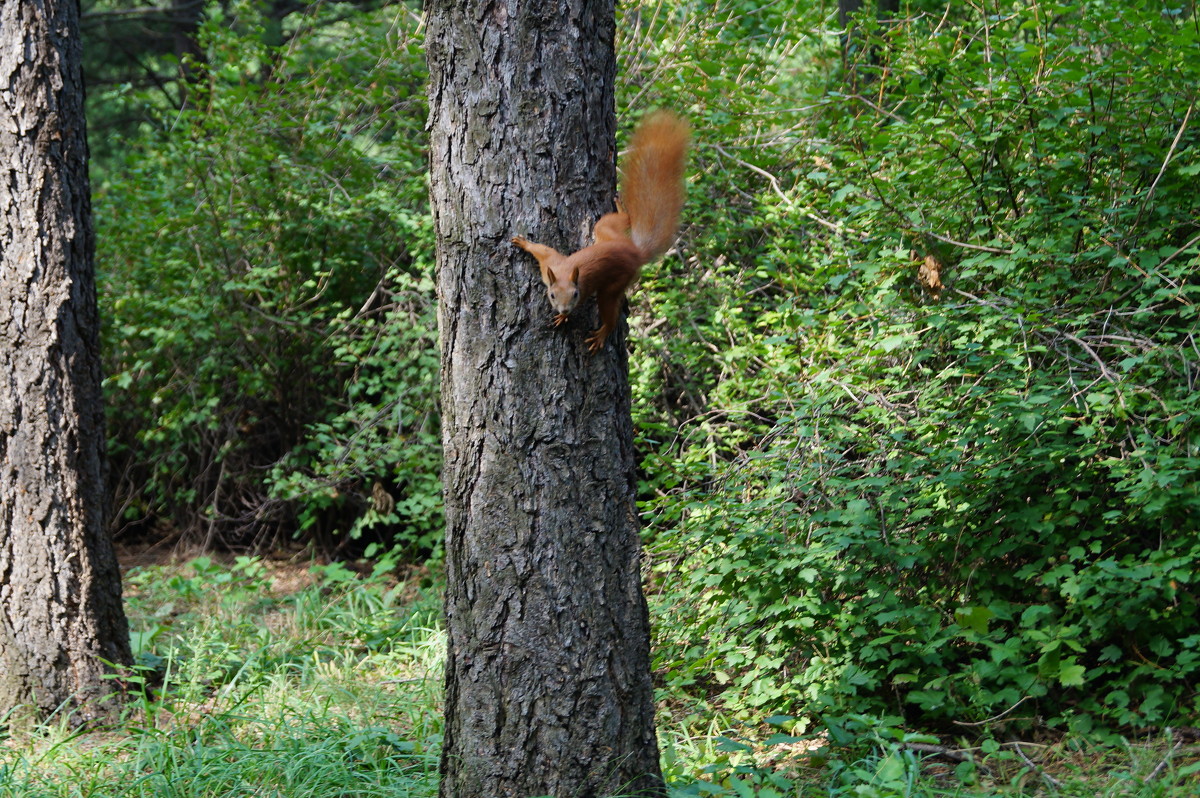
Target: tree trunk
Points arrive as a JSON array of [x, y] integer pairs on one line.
[[60, 590], [547, 686], [846, 8], [852, 59]]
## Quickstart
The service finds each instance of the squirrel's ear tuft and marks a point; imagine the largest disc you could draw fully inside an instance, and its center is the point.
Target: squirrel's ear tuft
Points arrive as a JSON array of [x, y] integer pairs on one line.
[[575, 275], [550, 278]]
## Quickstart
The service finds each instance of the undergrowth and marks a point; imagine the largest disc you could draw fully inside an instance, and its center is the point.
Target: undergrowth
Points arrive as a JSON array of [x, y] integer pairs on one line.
[[289, 681], [917, 392]]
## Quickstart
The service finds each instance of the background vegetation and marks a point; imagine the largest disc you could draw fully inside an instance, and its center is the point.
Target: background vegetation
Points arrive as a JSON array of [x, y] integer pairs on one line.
[[915, 395], [266, 255], [935, 401]]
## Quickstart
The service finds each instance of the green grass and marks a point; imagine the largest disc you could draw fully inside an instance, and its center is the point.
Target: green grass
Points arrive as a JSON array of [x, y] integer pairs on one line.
[[278, 682], [330, 690]]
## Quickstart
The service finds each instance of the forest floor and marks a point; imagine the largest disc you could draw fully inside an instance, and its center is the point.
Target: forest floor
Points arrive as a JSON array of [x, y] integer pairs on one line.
[[289, 677]]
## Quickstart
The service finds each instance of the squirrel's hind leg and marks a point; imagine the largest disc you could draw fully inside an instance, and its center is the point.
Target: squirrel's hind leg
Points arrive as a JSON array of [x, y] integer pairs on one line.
[[609, 307]]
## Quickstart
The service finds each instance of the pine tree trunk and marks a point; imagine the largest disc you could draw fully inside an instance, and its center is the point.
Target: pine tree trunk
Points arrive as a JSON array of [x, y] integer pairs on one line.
[[60, 590], [548, 686]]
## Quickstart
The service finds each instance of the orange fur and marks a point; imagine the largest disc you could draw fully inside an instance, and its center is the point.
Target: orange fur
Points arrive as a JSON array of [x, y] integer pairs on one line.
[[640, 231]]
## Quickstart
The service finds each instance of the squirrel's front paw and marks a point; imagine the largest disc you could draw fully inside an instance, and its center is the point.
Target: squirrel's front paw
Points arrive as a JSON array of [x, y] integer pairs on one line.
[[560, 319]]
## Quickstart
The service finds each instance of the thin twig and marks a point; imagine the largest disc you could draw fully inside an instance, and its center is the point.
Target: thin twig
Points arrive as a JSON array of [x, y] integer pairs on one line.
[[1053, 782], [1104, 370], [940, 750], [1178, 252], [993, 718], [774, 181], [1161, 765], [1166, 162], [876, 107], [965, 245]]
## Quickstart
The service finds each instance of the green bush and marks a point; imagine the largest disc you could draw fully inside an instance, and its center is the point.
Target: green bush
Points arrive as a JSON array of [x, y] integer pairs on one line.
[[974, 500], [264, 256]]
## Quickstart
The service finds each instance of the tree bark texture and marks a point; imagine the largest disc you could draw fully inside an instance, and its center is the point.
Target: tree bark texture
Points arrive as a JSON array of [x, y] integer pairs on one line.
[[852, 36], [60, 590], [548, 681]]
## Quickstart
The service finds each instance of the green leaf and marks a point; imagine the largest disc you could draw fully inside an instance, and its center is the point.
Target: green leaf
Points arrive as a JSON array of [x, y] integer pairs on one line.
[[727, 745], [1071, 675], [974, 618]]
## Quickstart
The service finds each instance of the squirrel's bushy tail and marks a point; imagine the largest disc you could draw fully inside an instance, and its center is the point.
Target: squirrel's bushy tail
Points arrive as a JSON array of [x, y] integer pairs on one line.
[[652, 182]]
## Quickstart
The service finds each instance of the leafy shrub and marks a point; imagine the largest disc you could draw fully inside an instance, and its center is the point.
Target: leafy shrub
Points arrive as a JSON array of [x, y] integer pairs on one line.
[[269, 319], [974, 500]]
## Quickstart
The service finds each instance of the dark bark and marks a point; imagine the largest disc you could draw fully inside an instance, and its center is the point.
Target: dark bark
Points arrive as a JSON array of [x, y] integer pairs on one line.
[[60, 590], [125, 42], [846, 8], [547, 687], [853, 60]]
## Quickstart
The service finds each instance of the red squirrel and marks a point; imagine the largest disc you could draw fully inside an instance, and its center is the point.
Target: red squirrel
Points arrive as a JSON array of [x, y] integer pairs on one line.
[[644, 225]]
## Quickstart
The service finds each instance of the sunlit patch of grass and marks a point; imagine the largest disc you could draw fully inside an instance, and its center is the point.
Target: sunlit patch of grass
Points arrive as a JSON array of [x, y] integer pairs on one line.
[[333, 690]]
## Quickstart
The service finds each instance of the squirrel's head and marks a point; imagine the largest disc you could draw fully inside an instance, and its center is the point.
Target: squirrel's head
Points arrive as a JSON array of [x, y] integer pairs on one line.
[[563, 293]]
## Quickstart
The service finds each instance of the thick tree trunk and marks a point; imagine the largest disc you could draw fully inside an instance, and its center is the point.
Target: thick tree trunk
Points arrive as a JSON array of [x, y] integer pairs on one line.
[[851, 37], [548, 685], [60, 590]]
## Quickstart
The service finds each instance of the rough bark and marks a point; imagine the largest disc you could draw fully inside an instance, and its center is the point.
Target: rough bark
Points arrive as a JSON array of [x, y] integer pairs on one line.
[[547, 687], [846, 8], [60, 590], [851, 36]]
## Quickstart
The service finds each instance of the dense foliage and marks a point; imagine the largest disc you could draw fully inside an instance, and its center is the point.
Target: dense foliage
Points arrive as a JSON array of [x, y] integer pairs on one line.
[[939, 448], [915, 395], [265, 253]]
